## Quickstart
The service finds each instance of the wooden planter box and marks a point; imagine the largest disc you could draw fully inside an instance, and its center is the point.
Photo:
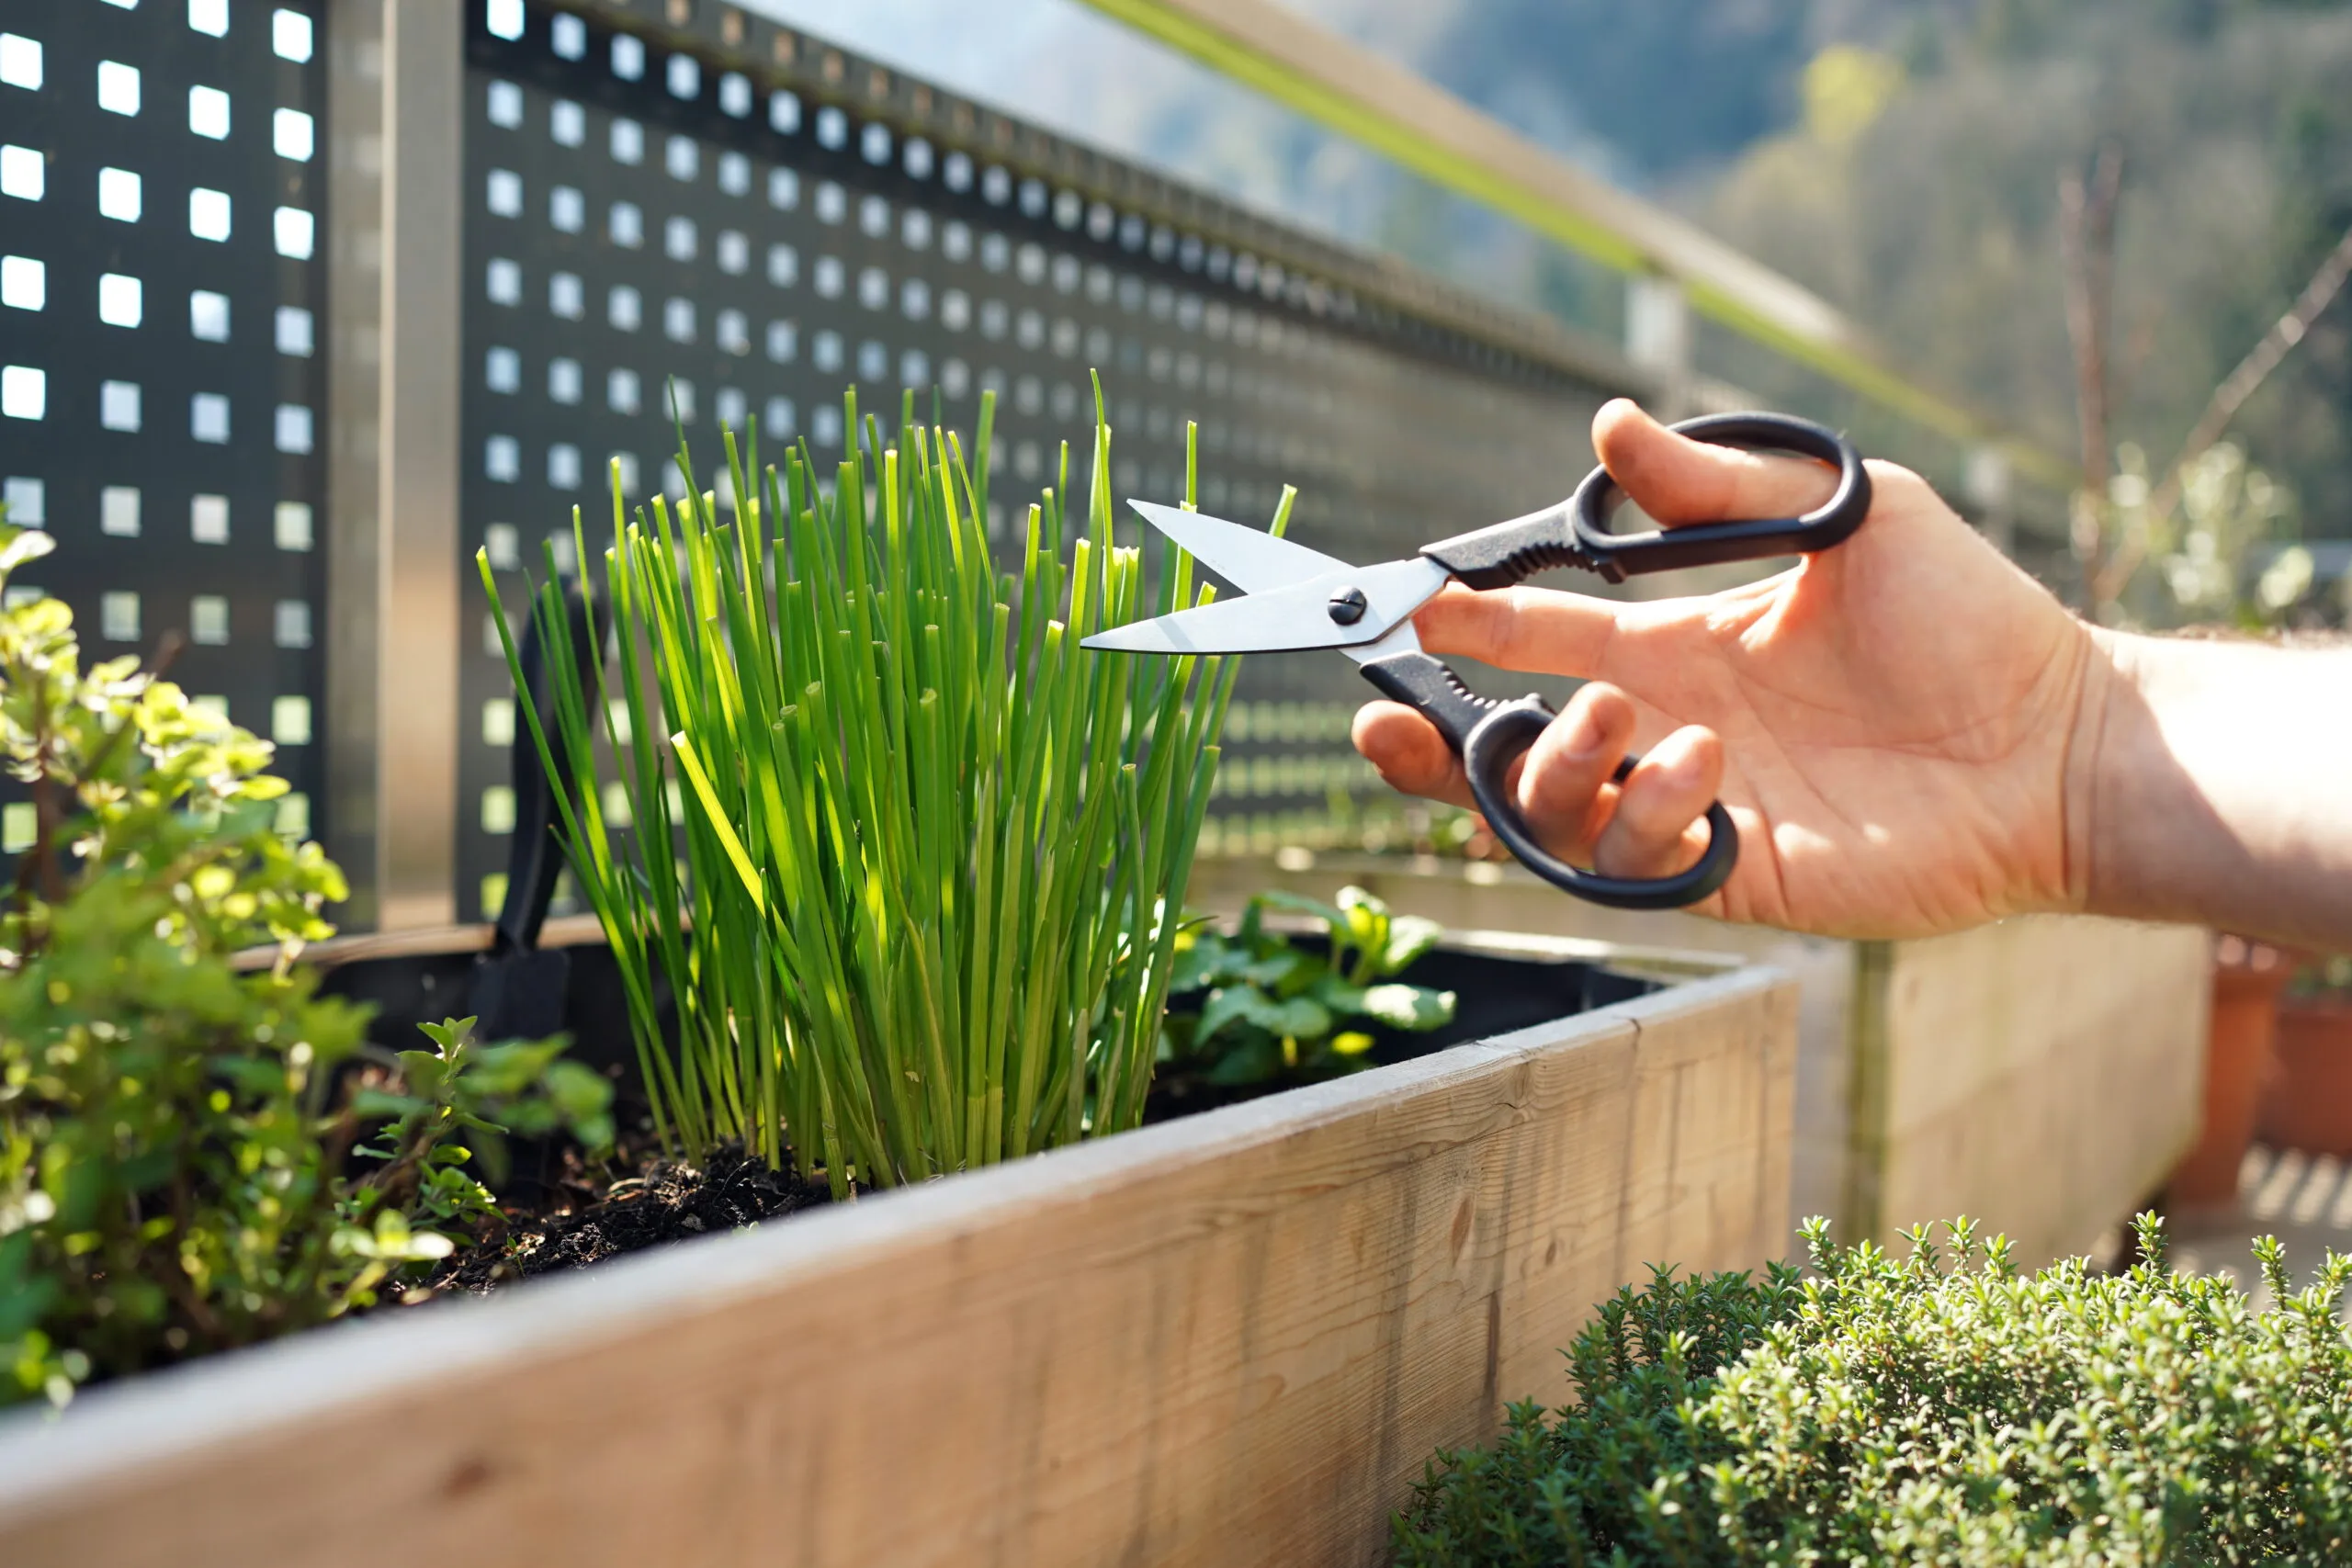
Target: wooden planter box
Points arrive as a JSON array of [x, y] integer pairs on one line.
[[1233, 1340], [2042, 1074]]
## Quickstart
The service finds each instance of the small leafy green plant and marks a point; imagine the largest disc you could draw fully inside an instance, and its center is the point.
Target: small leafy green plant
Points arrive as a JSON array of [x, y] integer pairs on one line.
[[177, 1133], [919, 912], [1275, 1011], [1940, 1408]]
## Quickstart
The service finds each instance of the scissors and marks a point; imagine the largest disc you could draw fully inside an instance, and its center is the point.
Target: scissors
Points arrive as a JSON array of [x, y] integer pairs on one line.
[[1296, 598]]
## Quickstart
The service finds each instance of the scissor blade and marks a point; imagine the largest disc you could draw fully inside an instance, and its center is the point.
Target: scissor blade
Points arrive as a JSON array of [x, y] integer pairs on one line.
[[1251, 559], [1289, 619]]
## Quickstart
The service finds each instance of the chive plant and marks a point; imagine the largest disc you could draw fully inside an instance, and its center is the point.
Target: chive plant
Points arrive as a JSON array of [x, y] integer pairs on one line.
[[920, 908]]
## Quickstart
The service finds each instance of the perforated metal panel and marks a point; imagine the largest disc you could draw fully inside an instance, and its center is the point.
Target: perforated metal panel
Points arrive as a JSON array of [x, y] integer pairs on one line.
[[160, 225], [685, 192]]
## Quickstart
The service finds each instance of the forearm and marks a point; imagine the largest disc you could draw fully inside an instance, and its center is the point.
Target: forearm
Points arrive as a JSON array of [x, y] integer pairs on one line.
[[2211, 782]]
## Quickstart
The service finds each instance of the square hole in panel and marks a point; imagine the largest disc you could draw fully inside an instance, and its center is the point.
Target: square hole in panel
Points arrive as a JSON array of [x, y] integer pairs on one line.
[[568, 36], [290, 525], [874, 289], [294, 333], [622, 393], [207, 113], [730, 407], [27, 502], [505, 19], [118, 405], [825, 352], [563, 466], [118, 616], [498, 810], [678, 239], [209, 16], [210, 215], [290, 429], [292, 135], [783, 265], [733, 252], [119, 197], [290, 36], [498, 721], [493, 884], [122, 300], [625, 141], [734, 174], [208, 519], [784, 112], [24, 284], [289, 720], [293, 816], [828, 276], [778, 420], [502, 459], [732, 332], [735, 94], [24, 391], [118, 87], [502, 193], [505, 105], [24, 173], [683, 76], [625, 308], [783, 189], [681, 157], [568, 123], [914, 229], [626, 225], [208, 418], [563, 381], [678, 400], [783, 342], [628, 57], [833, 202], [502, 370], [678, 320], [874, 217], [566, 297], [566, 210], [20, 61], [503, 281], [502, 544], [290, 623]]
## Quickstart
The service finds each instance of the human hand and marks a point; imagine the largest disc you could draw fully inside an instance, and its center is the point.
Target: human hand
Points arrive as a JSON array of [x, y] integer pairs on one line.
[[1891, 723]]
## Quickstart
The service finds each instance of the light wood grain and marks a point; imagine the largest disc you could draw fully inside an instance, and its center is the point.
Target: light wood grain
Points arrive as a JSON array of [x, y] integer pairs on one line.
[[1231, 1340], [2042, 1075]]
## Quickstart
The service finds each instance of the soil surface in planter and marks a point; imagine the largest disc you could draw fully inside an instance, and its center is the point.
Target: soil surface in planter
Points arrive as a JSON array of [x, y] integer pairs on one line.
[[560, 1216], [669, 1201]]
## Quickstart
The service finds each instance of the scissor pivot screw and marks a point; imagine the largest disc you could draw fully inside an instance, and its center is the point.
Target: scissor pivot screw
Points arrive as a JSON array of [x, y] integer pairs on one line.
[[1348, 606]]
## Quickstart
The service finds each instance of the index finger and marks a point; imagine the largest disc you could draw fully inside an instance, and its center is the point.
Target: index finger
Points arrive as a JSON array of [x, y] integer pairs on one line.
[[1542, 631]]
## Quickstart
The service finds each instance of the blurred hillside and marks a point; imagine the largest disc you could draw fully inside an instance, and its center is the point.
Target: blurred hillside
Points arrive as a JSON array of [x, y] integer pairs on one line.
[[1900, 156]]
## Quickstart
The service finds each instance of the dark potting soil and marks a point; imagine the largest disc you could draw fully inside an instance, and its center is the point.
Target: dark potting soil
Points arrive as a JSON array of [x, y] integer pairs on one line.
[[564, 1218], [669, 1201]]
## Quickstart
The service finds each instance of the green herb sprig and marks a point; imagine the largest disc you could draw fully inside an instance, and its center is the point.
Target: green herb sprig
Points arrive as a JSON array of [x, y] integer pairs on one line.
[[930, 851]]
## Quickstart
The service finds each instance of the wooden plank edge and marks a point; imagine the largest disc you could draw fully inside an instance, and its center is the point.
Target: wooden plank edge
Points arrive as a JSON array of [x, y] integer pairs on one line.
[[187, 1411]]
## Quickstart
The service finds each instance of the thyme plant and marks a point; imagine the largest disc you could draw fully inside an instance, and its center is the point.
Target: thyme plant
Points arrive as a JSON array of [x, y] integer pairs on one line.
[[929, 853], [196, 1155], [1940, 1408]]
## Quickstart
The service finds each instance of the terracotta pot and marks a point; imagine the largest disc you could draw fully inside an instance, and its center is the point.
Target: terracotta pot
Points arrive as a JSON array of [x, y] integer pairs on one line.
[[2309, 1102], [2247, 979]]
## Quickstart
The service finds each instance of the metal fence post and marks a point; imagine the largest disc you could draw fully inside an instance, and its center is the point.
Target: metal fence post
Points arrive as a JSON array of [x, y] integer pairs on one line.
[[396, 114]]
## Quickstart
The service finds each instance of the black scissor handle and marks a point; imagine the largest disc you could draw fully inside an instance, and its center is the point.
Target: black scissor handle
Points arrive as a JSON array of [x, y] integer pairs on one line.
[[1619, 556], [1490, 735], [1576, 532]]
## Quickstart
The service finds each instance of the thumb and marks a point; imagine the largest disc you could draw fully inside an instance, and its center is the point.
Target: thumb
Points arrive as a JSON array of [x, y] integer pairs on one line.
[[1676, 480]]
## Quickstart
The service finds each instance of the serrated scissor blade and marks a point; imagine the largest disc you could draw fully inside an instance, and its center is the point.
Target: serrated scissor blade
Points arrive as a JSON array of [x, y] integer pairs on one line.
[[1288, 618]]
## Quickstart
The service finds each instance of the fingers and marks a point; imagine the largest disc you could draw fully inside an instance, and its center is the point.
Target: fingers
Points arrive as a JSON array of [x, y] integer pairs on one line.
[[1649, 826], [1412, 757], [1676, 480], [1656, 829], [1539, 630]]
